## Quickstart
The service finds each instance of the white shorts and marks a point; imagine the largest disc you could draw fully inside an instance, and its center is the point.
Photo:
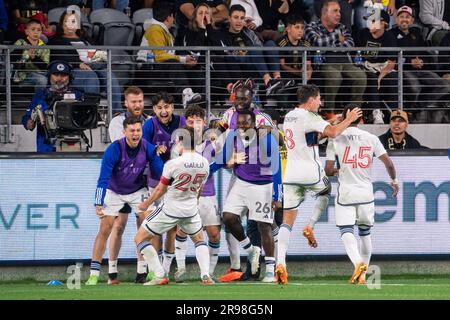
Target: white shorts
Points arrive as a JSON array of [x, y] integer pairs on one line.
[[360, 214], [209, 211], [114, 202], [159, 222], [255, 198], [294, 195]]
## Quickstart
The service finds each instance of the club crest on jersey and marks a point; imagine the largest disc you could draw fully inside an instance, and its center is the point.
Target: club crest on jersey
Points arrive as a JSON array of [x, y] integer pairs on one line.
[[194, 165]]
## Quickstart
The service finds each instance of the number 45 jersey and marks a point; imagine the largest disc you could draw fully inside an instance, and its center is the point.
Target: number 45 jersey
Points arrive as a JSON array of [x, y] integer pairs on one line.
[[185, 177], [354, 150]]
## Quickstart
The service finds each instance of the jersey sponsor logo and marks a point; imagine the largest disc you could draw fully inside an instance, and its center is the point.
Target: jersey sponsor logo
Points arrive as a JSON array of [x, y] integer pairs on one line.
[[194, 165]]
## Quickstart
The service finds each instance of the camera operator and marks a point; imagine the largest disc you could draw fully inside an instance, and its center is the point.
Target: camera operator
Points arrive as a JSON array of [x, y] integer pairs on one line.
[[59, 78]]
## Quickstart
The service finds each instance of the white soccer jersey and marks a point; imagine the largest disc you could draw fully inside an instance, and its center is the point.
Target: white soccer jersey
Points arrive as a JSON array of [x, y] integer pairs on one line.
[[185, 176], [301, 128], [354, 149]]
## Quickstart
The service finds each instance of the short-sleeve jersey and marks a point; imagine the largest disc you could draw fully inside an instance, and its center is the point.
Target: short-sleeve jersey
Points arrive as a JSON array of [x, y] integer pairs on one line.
[[301, 128], [354, 149], [185, 177]]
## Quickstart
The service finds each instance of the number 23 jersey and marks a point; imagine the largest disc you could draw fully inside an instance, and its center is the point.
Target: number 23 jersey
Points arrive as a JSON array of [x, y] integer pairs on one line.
[[354, 149], [185, 177]]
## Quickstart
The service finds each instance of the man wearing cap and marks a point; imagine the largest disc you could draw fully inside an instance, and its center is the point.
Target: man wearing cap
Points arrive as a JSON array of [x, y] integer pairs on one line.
[[59, 77], [379, 65], [396, 138], [423, 86]]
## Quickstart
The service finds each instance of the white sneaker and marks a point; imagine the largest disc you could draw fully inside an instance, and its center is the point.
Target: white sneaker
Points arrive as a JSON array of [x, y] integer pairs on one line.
[[253, 257], [156, 281], [378, 116], [269, 277], [180, 275]]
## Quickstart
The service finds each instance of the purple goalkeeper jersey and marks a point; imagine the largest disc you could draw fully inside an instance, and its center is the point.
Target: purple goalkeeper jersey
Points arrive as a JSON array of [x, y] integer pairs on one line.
[[127, 176], [209, 153]]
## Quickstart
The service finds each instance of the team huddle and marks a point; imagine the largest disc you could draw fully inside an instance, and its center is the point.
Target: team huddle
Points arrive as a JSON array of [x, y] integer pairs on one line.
[[162, 169]]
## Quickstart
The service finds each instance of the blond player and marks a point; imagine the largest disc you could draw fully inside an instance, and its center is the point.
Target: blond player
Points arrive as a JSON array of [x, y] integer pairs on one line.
[[303, 128], [354, 204]]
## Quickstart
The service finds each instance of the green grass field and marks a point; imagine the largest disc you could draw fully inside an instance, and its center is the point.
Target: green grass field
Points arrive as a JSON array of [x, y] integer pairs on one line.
[[392, 288]]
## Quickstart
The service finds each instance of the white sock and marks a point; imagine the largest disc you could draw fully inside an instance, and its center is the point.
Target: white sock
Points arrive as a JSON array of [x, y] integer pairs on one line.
[[202, 255], [319, 207], [151, 257], [214, 249], [283, 243], [365, 248], [247, 245], [180, 251], [234, 249], [141, 266], [351, 247], [112, 266], [270, 264], [168, 257], [160, 256]]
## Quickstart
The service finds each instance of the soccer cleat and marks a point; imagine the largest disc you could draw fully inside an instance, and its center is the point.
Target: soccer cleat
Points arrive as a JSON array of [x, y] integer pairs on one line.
[[360, 269], [206, 279], [288, 84], [253, 258], [238, 84], [180, 276], [231, 275], [248, 83], [269, 278], [113, 281], [92, 281], [141, 278], [272, 86], [156, 281], [281, 274], [150, 276], [309, 234]]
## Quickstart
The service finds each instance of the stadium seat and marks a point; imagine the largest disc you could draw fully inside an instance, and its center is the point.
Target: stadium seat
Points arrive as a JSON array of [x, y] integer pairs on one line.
[[139, 17], [111, 27]]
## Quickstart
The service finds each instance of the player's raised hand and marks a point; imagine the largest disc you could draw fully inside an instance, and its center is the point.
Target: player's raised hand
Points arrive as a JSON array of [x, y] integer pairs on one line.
[[239, 157], [395, 188], [99, 211], [160, 150], [353, 114]]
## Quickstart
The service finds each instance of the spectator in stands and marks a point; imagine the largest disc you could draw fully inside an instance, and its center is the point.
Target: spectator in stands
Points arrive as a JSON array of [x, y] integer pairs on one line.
[[435, 14], [252, 18], [423, 86], [89, 64], [219, 12], [114, 4], [346, 11], [382, 83], [3, 21], [31, 64], [22, 11], [329, 32], [59, 83], [396, 138], [168, 64], [291, 61], [247, 63]]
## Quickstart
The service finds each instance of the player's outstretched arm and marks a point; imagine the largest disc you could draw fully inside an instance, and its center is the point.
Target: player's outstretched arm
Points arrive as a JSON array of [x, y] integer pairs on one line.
[[159, 191], [391, 171], [351, 116]]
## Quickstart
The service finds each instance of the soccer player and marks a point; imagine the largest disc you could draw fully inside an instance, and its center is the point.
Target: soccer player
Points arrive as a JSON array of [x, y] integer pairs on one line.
[[254, 188], [158, 131], [181, 184], [208, 206], [121, 182], [354, 204], [134, 103], [304, 171]]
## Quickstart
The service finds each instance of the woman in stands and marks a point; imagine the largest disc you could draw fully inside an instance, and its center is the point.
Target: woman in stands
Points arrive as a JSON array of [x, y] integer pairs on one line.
[[89, 65]]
